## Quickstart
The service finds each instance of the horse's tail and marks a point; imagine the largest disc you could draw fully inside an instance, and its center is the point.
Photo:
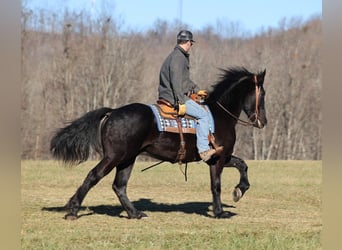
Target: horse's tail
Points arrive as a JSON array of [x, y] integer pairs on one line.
[[73, 143]]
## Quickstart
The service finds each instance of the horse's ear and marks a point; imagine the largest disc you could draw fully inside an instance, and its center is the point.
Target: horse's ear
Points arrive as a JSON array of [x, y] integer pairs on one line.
[[261, 77]]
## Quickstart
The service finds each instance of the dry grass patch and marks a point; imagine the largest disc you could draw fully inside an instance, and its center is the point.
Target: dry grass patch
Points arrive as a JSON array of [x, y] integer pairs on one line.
[[282, 209]]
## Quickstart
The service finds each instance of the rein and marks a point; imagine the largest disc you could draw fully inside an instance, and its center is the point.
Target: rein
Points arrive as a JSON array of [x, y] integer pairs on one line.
[[240, 121], [256, 112], [185, 172]]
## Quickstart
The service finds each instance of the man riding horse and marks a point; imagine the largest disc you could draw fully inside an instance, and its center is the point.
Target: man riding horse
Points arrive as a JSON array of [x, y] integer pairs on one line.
[[175, 87]]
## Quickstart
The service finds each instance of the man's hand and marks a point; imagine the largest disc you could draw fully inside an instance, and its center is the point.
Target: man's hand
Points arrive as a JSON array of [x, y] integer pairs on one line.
[[181, 109], [203, 93]]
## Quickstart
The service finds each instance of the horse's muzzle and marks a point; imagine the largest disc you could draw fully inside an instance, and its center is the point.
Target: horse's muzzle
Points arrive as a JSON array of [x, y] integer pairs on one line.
[[259, 124], [258, 121]]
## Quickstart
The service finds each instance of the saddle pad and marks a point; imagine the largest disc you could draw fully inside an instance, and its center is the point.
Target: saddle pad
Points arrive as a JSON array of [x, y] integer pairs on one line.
[[170, 125]]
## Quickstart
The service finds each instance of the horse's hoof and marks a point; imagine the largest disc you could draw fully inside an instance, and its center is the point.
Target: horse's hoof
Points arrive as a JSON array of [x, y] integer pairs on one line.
[[237, 194], [143, 215], [224, 215], [139, 216], [70, 217]]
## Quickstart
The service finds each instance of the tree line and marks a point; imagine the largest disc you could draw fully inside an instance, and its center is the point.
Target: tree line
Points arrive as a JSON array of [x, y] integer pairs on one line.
[[75, 64]]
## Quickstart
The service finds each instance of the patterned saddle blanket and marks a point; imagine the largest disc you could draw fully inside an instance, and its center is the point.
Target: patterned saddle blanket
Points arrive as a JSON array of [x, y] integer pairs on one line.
[[168, 123]]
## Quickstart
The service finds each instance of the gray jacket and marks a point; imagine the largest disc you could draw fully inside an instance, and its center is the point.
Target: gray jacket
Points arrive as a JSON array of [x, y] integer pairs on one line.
[[174, 77]]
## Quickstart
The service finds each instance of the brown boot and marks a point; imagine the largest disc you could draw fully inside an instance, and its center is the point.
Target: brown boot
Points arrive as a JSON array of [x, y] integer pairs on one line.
[[206, 155]]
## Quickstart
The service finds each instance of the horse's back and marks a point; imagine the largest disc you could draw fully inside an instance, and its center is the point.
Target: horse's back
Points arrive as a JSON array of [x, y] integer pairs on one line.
[[128, 127], [134, 113]]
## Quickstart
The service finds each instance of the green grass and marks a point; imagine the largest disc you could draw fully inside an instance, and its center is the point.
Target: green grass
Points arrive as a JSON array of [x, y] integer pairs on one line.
[[281, 210]]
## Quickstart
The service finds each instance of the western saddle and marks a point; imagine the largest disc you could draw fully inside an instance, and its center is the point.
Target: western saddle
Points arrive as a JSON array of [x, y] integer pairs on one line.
[[167, 110]]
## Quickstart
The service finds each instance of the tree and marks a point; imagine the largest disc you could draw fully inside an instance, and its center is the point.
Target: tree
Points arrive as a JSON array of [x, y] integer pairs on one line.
[[72, 64]]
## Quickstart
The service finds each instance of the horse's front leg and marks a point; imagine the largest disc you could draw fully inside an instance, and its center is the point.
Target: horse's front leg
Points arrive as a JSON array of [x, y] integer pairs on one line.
[[215, 181], [243, 185], [120, 185]]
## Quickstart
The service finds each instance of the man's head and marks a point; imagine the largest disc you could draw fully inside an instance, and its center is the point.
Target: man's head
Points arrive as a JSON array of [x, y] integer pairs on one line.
[[184, 36], [185, 39]]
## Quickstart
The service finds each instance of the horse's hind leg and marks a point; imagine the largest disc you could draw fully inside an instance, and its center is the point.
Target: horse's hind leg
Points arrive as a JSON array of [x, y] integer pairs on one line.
[[94, 176], [243, 185], [123, 172]]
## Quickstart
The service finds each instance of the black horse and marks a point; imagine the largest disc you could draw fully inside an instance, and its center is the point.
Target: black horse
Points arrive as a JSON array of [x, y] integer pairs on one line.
[[121, 134]]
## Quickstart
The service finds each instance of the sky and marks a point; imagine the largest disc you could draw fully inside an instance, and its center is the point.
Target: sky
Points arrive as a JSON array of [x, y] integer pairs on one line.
[[139, 15]]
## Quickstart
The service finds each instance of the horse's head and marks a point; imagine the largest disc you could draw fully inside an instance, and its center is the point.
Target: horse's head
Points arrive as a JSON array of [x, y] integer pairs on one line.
[[254, 103], [239, 89]]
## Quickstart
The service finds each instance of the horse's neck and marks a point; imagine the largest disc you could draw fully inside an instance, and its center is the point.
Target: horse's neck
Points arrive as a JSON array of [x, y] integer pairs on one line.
[[232, 105], [226, 113]]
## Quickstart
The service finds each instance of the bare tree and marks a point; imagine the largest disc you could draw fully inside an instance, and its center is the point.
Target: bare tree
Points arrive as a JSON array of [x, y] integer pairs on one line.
[[72, 64]]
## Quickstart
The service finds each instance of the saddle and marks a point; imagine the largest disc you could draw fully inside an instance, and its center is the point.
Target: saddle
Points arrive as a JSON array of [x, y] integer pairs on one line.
[[185, 124], [168, 112]]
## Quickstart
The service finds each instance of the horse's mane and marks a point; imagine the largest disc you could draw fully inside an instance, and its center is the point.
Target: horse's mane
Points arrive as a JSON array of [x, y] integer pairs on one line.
[[227, 79]]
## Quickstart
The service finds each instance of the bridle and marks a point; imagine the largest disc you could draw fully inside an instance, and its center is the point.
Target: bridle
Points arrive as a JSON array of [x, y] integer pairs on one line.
[[256, 112]]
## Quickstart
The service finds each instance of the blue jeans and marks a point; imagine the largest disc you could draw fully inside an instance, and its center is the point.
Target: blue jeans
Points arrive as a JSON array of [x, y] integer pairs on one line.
[[202, 129]]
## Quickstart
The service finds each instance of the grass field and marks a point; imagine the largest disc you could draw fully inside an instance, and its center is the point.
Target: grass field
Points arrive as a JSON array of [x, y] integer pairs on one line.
[[281, 210]]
